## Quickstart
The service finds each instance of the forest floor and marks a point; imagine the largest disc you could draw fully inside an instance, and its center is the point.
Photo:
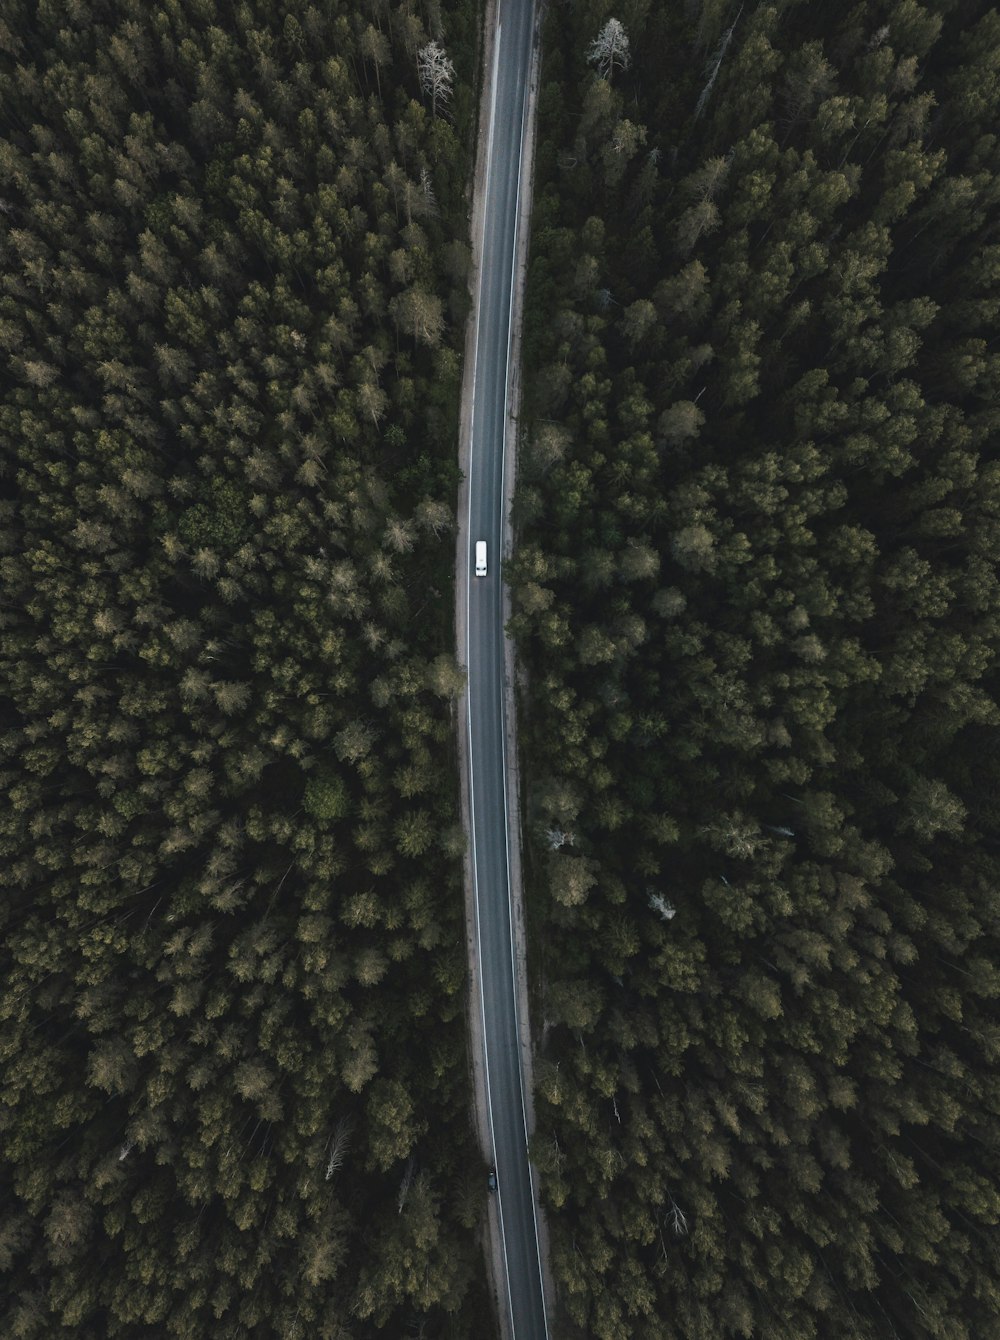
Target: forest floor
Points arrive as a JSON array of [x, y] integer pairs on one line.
[[462, 577]]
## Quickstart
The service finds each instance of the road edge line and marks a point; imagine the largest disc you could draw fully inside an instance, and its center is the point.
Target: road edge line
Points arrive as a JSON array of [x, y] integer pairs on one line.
[[512, 757], [495, 1247]]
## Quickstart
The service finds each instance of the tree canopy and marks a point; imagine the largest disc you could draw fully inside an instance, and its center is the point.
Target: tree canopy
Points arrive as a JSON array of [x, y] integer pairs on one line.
[[232, 1053], [756, 592]]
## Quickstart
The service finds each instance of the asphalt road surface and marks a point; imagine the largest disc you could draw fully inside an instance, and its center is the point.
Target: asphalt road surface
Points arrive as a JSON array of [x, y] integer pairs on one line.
[[487, 762]]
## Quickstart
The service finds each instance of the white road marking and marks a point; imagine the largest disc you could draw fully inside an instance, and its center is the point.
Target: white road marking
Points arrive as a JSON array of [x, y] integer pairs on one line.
[[503, 732], [468, 662]]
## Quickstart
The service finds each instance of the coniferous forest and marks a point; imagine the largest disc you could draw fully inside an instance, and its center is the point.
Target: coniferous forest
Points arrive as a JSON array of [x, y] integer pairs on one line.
[[757, 608], [757, 600], [233, 1063]]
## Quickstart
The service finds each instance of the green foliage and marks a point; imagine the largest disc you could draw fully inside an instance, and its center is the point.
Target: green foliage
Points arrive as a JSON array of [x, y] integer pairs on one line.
[[222, 522], [327, 798], [231, 285], [755, 589]]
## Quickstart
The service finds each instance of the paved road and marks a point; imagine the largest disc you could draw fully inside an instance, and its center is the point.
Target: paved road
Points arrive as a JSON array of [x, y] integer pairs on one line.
[[487, 764]]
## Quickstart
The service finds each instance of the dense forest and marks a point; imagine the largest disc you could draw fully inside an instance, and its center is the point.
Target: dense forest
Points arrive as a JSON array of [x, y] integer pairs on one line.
[[233, 1072], [757, 598]]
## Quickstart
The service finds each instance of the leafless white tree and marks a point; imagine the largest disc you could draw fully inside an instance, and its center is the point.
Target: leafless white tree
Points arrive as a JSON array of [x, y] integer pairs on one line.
[[661, 907], [715, 64], [610, 49], [678, 1219], [338, 1146], [435, 72]]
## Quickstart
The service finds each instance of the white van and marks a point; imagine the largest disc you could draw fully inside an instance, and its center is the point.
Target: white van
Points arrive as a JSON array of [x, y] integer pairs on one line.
[[480, 558]]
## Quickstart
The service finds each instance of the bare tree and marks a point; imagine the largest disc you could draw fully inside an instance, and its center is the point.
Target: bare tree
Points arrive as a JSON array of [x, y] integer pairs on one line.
[[715, 64], [610, 49], [678, 1219], [338, 1146], [435, 72], [661, 906]]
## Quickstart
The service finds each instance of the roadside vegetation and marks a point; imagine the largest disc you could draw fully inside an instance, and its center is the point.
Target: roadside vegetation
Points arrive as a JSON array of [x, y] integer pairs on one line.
[[233, 1076], [757, 601]]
